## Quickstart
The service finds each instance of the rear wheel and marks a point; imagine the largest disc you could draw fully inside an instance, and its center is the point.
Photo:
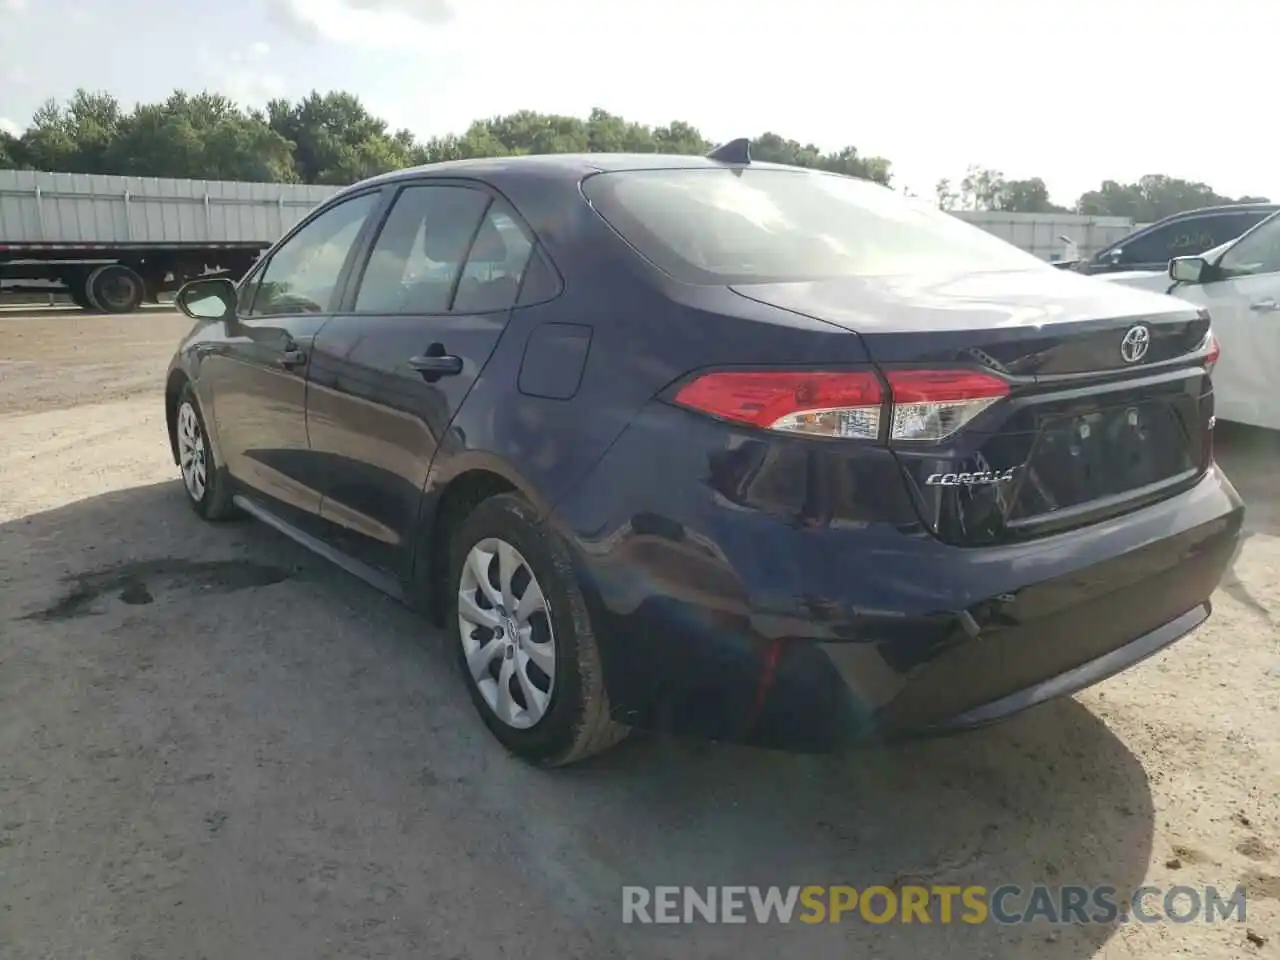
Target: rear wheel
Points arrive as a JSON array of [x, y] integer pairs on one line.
[[524, 640], [208, 490], [115, 288]]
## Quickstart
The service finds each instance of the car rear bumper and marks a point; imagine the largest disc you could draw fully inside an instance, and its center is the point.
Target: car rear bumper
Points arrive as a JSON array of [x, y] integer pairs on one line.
[[762, 619], [1076, 678]]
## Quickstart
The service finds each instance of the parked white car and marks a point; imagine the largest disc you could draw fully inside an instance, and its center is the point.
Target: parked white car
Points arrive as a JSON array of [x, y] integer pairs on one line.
[[1239, 283]]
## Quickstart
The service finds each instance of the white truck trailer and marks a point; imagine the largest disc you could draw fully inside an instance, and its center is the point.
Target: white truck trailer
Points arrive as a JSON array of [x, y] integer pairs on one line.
[[113, 243]]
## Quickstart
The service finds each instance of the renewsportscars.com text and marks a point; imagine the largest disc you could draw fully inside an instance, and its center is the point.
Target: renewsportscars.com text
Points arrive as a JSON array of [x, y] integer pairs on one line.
[[1005, 904]]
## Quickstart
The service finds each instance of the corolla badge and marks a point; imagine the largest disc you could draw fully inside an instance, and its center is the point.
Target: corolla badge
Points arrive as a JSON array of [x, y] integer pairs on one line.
[[982, 478], [1136, 343]]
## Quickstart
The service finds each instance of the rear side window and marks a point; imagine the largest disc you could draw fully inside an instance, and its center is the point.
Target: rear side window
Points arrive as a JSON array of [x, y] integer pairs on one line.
[[717, 225], [420, 251], [496, 264]]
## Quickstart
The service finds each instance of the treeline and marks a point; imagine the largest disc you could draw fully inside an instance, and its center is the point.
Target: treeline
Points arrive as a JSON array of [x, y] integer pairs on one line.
[[331, 138], [1150, 198]]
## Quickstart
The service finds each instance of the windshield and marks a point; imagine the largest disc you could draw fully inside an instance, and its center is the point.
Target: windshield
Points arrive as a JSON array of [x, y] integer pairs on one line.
[[730, 225]]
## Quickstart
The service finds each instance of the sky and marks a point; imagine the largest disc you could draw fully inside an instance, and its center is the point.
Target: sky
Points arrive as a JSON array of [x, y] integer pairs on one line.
[[1073, 92]]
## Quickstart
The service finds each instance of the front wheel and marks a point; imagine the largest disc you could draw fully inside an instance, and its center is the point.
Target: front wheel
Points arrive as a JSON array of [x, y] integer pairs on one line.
[[523, 637]]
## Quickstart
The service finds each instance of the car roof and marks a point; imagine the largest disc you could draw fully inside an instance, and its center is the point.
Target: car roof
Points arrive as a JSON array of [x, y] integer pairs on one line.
[[570, 166], [1260, 207]]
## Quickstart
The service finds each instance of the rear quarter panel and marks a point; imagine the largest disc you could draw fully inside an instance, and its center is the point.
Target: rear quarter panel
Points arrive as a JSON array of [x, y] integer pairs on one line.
[[645, 332]]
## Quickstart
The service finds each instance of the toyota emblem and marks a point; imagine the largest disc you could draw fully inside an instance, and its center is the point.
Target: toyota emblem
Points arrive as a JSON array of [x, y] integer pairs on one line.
[[1136, 343]]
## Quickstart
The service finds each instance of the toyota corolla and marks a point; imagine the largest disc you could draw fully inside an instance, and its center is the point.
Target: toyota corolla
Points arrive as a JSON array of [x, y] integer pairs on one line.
[[714, 447]]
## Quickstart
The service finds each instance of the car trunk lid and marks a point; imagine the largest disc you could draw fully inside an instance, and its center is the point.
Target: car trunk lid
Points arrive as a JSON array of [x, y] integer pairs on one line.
[[1108, 404]]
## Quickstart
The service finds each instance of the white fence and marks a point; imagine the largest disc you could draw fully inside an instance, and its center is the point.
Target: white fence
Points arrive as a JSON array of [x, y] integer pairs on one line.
[[1041, 234]]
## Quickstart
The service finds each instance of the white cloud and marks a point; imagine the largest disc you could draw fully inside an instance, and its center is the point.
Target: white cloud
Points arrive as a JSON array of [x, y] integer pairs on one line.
[[17, 6], [240, 74], [9, 127], [249, 88], [366, 23]]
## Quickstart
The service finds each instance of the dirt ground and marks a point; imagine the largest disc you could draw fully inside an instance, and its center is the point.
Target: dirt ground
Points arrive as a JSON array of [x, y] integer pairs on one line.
[[213, 745]]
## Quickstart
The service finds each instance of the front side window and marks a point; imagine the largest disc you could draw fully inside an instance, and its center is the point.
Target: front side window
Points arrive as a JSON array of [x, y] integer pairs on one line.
[[717, 225], [420, 252], [245, 294], [1257, 252], [303, 273]]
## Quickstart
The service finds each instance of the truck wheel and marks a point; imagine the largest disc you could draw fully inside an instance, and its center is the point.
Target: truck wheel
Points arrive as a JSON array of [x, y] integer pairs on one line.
[[78, 290], [115, 288]]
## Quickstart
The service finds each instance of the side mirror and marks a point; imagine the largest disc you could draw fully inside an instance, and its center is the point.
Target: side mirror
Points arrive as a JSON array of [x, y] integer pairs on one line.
[[211, 299], [1188, 269]]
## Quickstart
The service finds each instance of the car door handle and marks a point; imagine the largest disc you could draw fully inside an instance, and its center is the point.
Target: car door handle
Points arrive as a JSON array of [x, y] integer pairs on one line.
[[444, 365], [1265, 306], [292, 358]]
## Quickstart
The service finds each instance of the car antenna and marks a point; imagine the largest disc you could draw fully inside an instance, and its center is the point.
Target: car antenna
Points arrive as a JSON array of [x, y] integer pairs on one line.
[[735, 151]]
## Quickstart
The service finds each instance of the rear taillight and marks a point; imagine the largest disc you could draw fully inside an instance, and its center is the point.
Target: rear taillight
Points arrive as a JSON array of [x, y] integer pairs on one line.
[[934, 404], [918, 405], [826, 404], [1211, 358]]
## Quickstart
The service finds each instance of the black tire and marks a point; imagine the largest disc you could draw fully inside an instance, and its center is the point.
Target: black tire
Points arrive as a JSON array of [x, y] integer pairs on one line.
[[78, 292], [211, 500], [115, 288], [576, 723]]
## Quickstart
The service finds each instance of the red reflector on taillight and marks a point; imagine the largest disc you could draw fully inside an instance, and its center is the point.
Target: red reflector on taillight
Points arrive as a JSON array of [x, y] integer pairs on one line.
[[1215, 351], [926, 404], [825, 403], [936, 386], [934, 404]]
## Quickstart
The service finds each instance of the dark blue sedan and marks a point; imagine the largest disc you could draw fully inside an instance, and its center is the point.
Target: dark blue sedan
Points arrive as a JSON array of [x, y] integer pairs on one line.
[[714, 447]]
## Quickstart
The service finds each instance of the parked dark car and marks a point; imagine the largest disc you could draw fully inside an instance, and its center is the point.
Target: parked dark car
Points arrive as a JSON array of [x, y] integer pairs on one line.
[[719, 448], [1181, 235]]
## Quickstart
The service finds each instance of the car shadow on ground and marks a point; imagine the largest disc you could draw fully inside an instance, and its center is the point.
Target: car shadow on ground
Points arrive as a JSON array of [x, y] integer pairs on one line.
[[234, 638], [1250, 457]]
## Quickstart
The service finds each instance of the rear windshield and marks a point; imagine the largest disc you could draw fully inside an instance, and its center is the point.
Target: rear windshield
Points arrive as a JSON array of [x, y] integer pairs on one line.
[[732, 225]]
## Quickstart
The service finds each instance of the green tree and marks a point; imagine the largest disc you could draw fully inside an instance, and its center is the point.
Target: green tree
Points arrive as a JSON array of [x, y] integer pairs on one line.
[[1152, 197], [986, 189], [204, 137], [49, 142], [981, 188], [1027, 196], [336, 140], [10, 152], [947, 196], [332, 138]]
